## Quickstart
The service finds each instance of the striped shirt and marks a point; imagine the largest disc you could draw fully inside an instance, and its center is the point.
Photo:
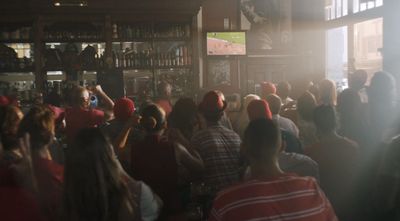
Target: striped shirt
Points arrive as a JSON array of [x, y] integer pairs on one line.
[[219, 148], [288, 197]]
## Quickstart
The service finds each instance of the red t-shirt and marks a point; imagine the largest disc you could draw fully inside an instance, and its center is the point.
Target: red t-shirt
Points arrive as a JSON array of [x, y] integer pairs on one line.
[[165, 105], [17, 204], [79, 118], [59, 113], [288, 197]]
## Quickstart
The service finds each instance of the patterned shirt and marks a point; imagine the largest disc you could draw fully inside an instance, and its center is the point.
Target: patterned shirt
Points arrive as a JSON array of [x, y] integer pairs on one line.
[[219, 148], [287, 197]]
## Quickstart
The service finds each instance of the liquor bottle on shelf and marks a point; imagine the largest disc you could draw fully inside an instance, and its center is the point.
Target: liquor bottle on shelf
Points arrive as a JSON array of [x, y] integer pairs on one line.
[[115, 31]]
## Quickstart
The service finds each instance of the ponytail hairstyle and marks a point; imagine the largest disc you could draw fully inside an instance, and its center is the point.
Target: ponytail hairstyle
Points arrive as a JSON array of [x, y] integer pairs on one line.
[[153, 118]]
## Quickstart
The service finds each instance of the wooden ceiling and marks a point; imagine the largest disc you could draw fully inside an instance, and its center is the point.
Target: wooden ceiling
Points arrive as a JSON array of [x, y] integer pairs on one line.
[[139, 8]]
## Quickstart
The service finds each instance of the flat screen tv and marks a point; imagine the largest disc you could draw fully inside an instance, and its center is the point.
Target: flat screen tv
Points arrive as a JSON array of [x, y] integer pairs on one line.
[[226, 43]]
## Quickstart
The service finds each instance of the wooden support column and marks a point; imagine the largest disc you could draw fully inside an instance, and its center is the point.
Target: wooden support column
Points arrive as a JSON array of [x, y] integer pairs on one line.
[[40, 74]]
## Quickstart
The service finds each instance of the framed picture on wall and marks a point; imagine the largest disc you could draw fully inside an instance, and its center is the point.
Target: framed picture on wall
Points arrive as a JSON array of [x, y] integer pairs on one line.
[[268, 23], [219, 72]]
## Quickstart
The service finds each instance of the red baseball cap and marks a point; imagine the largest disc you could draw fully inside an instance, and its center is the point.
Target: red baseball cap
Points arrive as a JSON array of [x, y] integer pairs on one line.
[[4, 101], [258, 109], [123, 108], [212, 103]]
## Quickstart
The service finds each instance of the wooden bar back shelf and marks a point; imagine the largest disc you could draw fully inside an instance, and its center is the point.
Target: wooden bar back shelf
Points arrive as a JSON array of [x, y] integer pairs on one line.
[[152, 36]]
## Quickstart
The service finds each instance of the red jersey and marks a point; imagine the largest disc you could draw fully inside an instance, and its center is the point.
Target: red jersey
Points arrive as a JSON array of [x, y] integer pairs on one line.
[[17, 204], [50, 178], [79, 118], [288, 197]]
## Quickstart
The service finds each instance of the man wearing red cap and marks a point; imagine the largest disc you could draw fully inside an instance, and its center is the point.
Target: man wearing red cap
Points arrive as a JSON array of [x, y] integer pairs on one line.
[[4, 101], [218, 146], [123, 110]]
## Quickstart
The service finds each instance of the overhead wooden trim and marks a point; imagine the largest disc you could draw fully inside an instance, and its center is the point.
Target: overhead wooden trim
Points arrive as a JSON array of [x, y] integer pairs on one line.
[[356, 18]]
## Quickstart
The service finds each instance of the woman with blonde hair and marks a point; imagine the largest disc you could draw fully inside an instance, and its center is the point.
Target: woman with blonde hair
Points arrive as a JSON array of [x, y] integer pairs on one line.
[[327, 93]]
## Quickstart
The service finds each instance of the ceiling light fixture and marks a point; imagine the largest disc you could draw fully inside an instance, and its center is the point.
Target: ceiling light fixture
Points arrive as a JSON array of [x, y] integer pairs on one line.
[[79, 3]]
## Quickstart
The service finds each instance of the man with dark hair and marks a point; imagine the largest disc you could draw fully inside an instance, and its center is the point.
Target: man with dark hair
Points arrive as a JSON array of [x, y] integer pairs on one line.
[[357, 81], [270, 194], [284, 123], [218, 146], [289, 160], [283, 90], [337, 158]]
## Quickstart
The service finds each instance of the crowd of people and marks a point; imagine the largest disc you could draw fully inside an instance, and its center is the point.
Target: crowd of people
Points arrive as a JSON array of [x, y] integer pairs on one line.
[[319, 155]]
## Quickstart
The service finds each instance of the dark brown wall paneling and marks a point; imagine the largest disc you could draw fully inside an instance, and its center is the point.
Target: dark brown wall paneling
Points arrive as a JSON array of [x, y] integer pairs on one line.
[[214, 13]]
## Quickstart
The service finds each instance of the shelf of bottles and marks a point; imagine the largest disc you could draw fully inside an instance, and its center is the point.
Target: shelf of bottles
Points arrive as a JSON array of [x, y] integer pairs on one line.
[[16, 33], [172, 32], [16, 48], [82, 56], [74, 32], [151, 46]]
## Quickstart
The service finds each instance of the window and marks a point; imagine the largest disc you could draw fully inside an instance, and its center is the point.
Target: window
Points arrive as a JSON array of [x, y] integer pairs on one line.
[[337, 55], [363, 5], [336, 9], [22, 50], [368, 41]]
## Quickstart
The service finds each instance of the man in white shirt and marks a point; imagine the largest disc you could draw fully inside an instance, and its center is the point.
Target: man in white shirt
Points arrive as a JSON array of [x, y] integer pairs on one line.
[[284, 123]]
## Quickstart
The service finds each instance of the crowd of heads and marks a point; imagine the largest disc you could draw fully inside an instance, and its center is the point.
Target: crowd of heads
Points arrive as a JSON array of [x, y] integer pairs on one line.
[[93, 185]]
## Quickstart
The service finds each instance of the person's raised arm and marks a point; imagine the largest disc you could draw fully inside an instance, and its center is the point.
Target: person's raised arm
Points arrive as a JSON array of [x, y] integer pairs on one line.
[[105, 98], [192, 162], [122, 138], [185, 152]]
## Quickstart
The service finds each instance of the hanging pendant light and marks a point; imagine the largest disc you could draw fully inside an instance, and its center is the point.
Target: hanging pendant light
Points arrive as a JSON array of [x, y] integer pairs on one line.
[[79, 3]]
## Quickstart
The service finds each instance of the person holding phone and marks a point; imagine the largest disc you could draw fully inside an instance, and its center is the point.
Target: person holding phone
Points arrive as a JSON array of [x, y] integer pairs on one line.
[[81, 114]]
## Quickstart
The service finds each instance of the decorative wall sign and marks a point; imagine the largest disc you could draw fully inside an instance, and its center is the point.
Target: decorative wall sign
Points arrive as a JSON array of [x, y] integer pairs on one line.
[[268, 22], [219, 72]]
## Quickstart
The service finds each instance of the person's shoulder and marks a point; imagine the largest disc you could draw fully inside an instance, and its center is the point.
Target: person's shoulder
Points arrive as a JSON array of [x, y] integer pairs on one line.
[[49, 167], [226, 130], [286, 120], [294, 181], [234, 190], [297, 157], [290, 179], [96, 111], [350, 143], [200, 134]]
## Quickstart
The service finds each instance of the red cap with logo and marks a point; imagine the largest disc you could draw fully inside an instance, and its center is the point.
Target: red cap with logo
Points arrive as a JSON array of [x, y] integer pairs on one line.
[[258, 109], [212, 103], [123, 108]]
